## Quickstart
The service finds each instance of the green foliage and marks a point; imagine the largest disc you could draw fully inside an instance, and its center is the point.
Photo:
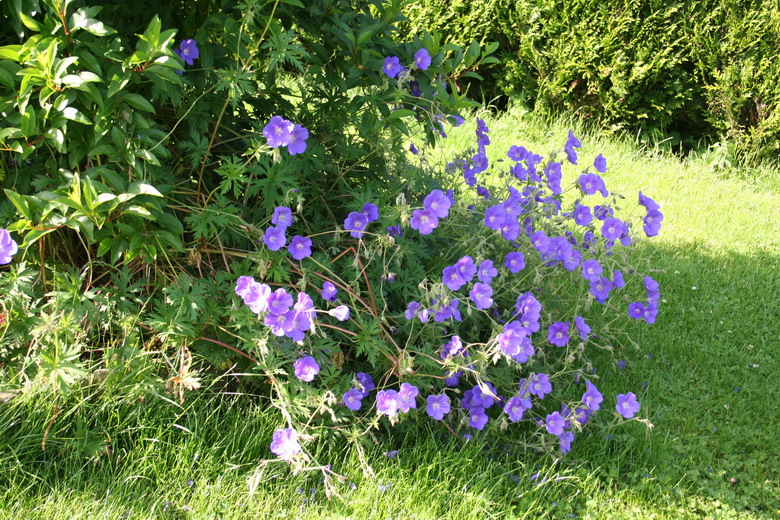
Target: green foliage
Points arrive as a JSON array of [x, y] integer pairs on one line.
[[677, 69]]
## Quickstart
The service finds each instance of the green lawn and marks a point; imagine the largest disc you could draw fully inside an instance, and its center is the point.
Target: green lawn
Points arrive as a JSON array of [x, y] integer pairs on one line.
[[706, 374]]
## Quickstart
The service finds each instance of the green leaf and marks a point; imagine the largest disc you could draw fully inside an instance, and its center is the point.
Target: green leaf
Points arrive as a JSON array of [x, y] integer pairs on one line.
[[401, 112], [10, 52], [74, 115], [140, 188], [137, 101], [29, 22], [21, 204], [118, 83], [138, 211], [105, 246], [29, 122]]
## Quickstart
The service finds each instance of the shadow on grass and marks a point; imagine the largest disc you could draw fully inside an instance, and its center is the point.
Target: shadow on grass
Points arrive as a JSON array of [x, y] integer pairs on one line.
[[706, 375]]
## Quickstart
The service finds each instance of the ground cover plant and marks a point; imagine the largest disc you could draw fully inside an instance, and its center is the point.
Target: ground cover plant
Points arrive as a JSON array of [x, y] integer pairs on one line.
[[370, 283]]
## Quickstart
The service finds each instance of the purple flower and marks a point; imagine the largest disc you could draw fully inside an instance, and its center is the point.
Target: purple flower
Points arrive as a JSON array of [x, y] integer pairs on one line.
[[481, 294], [571, 143], [392, 66], [582, 327], [539, 385], [424, 315], [617, 279], [613, 228], [408, 396], [394, 231], [555, 423], [495, 216], [285, 444], [452, 278], [627, 405], [300, 247], [516, 407], [341, 313], [279, 302], [370, 211], [365, 384], [422, 59], [278, 131], [486, 271], [424, 221], [564, 440], [483, 192], [582, 215], [515, 262], [356, 223], [353, 399], [282, 217], [274, 238], [478, 418], [388, 403], [411, 310], [279, 323], [590, 183], [297, 140], [592, 398], [517, 153], [8, 247], [652, 222], [467, 268], [558, 334], [600, 164], [591, 270], [188, 51], [329, 291], [636, 310], [306, 368], [600, 289], [648, 203], [437, 203], [438, 406]]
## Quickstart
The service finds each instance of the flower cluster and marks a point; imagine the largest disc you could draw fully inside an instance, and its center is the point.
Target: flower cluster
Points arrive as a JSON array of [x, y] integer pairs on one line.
[[393, 68], [275, 236], [281, 132], [528, 236]]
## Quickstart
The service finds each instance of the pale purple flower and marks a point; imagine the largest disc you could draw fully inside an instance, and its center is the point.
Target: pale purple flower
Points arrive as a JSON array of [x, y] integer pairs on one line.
[[306, 368], [274, 238], [8, 247], [515, 262], [437, 203], [424, 221], [555, 423], [516, 407], [388, 403], [627, 405], [582, 327], [438, 406], [452, 278], [486, 271], [411, 310], [467, 268], [558, 334], [582, 215], [278, 131], [478, 418], [300, 247], [341, 313], [539, 385], [282, 217], [285, 444], [279, 302], [408, 395], [565, 439], [600, 164], [481, 294], [353, 399], [591, 270], [356, 223], [297, 141], [592, 398], [613, 228], [590, 183]]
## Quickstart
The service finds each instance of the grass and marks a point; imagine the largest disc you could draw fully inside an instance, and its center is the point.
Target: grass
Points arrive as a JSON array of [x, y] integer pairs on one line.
[[707, 373]]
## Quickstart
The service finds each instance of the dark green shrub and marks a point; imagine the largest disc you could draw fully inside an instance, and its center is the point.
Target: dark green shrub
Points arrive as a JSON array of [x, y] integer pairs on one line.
[[683, 69]]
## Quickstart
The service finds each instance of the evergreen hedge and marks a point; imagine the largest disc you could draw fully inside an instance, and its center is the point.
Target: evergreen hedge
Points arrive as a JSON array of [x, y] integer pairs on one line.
[[689, 69]]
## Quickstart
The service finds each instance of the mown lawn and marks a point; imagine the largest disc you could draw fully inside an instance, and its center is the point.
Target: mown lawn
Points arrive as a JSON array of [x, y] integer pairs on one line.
[[706, 374]]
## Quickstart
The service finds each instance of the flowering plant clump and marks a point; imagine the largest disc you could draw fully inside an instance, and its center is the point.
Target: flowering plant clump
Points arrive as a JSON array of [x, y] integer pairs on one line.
[[487, 330]]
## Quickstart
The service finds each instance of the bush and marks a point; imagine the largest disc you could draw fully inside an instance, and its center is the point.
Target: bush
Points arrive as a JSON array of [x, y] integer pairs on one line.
[[142, 172], [678, 69]]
